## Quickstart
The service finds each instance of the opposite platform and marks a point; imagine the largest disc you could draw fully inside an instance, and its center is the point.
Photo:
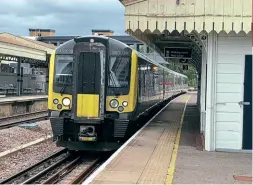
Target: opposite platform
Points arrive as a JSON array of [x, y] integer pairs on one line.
[[22, 98], [146, 158]]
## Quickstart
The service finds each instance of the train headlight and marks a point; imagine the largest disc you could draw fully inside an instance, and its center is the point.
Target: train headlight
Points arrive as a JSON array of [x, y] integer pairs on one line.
[[114, 103], [66, 101], [59, 106], [125, 103], [55, 101], [120, 109]]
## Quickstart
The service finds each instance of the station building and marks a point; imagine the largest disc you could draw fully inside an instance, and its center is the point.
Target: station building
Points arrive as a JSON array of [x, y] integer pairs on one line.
[[41, 32], [102, 32], [23, 65], [214, 36]]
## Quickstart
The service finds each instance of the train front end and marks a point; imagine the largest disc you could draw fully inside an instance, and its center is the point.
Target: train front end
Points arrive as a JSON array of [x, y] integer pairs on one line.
[[92, 96]]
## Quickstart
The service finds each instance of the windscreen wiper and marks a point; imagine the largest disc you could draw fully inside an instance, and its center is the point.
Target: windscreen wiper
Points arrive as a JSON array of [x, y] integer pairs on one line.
[[65, 84]]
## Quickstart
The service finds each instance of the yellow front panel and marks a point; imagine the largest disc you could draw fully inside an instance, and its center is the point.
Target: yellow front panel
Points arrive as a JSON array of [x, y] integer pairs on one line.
[[51, 94], [51, 79], [59, 97], [87, 105]]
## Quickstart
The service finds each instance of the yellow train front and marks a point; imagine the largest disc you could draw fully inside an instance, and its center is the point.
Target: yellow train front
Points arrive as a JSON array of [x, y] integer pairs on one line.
[[99, 88]]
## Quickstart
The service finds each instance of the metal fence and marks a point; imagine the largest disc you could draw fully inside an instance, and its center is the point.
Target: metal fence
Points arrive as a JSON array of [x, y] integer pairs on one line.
[[31, 84]]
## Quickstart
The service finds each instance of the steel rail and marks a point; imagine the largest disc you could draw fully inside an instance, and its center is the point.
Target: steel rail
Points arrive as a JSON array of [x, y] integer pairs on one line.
[[58, 176], [33, 179], [10, 121], [33, 167], [87, 172]]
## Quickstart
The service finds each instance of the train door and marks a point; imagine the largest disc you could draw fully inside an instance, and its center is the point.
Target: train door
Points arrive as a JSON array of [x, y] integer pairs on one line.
[[88, 94]]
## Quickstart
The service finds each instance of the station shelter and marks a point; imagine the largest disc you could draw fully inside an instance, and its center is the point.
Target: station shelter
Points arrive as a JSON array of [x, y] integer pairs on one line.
[[215, 37], [23, 65]]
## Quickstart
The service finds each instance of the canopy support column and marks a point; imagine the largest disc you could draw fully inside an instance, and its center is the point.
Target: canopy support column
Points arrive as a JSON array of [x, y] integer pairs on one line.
[[211, 95], [19, 78]]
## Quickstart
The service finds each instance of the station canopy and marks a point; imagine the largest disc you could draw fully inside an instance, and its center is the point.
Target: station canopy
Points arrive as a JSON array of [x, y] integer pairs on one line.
[[14, 48], [182, 27]]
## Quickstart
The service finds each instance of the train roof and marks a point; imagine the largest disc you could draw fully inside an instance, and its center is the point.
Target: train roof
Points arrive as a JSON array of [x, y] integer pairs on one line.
[[158, 64], [68, 46], [150, 60]]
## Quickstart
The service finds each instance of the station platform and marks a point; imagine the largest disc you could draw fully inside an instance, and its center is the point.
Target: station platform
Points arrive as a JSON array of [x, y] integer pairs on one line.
[[147, 157], [167, 150], [194, 165], [18, 105], [22, 98]]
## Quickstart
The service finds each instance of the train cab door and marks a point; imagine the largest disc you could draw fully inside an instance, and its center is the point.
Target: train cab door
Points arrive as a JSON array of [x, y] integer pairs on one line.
[[88, 86]]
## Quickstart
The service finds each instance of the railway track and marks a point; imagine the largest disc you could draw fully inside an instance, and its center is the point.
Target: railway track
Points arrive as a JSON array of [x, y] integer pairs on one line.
[[75, 172], [34, 169], [62, 167], [7, 122]]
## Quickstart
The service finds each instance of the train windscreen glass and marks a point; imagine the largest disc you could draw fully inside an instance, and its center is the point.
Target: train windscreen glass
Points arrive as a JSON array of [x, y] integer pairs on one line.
[[119, 72], [63, 72]]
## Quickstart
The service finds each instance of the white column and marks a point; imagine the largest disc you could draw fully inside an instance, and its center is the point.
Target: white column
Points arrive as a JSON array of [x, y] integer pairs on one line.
[[203, 93], [211, 92]]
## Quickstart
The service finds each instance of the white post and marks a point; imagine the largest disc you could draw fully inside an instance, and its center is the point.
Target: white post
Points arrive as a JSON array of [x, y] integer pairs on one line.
[[203, 93], [211, 92]]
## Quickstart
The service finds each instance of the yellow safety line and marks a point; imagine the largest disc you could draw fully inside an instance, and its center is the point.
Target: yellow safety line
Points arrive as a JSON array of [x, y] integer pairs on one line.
[[172, 167]]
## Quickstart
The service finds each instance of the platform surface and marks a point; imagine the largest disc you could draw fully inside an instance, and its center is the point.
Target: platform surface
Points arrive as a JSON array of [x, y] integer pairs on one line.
[[152, 157], [146, 159], [22, 98], [194, 166]]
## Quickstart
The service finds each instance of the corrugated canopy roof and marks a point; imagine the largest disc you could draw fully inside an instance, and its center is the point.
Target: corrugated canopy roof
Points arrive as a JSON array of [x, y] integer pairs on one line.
[[17, 46], [26, 42]]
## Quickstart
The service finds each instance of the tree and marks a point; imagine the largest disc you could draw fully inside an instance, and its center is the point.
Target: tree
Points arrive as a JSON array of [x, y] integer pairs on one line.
[[191, 73]]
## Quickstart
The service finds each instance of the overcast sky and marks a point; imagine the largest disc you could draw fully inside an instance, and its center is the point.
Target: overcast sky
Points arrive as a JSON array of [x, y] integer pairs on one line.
[[66, 17]]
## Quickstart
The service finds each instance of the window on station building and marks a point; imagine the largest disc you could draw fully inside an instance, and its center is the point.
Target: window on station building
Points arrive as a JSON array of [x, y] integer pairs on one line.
[[7, 67], [4, 68]]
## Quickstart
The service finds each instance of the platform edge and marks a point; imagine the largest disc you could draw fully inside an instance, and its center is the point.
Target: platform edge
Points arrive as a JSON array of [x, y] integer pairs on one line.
[[95, 173]]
